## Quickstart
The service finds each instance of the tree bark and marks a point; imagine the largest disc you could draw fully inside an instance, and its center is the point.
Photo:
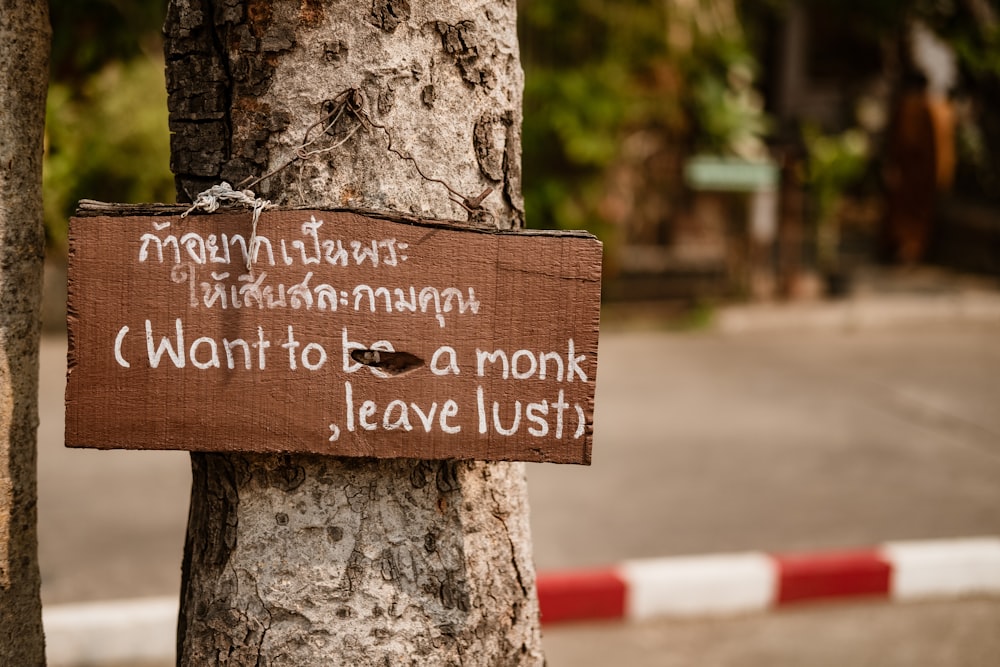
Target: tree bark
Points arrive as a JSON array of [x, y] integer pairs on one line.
[[24, 55], [299, 560]]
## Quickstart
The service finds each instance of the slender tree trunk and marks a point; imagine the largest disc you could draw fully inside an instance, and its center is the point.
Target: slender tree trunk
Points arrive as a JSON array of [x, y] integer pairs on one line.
[[308, 560], [24, 69]]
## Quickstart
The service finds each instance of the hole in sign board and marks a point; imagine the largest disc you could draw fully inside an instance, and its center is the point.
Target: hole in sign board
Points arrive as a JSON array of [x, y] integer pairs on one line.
[[393, 363]]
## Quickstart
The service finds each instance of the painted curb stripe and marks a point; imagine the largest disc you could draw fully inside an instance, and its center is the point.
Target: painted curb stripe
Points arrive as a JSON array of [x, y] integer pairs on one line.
[[698, 586], [944, 568], [133, 630], [807, 577], [740, 583], [117, 631], [581, 594]]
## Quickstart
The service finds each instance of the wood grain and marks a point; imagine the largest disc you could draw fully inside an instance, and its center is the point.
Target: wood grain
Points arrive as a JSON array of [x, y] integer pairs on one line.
[[352, 335]]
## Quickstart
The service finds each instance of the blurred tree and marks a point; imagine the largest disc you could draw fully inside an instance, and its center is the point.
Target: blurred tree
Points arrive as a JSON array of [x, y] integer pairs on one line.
[[87, 35], [24, 48], [709, 43], [106, 121], [107, 140], [678, 72], [596, 73], [593, 68]]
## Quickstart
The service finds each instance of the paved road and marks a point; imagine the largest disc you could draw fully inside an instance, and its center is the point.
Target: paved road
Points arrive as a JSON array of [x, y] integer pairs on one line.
[[710, 443], [704, 443], [941, 634], [111, 523]]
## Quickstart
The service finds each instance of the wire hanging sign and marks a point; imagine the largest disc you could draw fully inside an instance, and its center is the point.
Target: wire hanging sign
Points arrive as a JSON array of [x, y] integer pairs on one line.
[[348, 103]]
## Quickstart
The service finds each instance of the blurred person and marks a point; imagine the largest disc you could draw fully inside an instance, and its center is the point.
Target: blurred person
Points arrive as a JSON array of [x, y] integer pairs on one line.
[[920, 164]]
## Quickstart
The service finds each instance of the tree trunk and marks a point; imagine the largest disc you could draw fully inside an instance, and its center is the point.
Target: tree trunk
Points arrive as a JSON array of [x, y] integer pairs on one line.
[[24, 56], [309, 560]]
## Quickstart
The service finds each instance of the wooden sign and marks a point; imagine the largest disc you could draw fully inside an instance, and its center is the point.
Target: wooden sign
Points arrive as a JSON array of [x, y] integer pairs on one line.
[[349, 334]]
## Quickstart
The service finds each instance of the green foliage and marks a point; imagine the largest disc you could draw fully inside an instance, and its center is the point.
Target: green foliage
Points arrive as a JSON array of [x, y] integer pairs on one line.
[[108, 140], [106, 122], [588, 64], [719, 69], [89, 34], [581, 112], [835, 163], [729, 114], [598, 70], [699, 316]]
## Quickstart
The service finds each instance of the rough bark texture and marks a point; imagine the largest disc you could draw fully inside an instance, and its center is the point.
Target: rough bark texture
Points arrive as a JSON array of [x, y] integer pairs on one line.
[[24, 53], [247, 78], [324, 561]]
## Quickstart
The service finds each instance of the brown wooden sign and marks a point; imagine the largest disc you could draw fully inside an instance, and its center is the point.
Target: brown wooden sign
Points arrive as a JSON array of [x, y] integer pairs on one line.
[[348, 334]]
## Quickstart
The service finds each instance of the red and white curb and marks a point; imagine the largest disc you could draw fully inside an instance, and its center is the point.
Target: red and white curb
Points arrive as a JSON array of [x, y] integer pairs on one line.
[[635, 590], [116, 631], [753, 582]]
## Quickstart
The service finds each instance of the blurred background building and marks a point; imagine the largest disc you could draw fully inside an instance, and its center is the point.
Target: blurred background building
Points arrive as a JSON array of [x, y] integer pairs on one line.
[[764, 147], [720, 148]]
